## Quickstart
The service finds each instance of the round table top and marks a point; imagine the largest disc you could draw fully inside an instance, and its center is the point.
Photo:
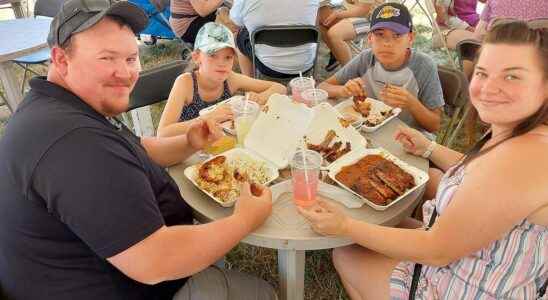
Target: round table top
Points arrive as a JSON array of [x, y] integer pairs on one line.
[[286, 228], [22, 36]]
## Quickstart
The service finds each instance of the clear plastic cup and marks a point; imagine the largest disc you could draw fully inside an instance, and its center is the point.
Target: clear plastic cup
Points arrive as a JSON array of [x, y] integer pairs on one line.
[[244, 116], [305, 175], [313, 97], [299, 85], [221, 145]]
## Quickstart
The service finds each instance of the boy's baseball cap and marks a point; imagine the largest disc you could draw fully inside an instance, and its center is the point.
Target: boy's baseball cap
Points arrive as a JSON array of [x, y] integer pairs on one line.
[[393, 16], [78, 15], [213, 37]]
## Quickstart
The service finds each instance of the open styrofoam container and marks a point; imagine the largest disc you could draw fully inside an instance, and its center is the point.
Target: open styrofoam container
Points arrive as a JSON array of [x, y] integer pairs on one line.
[[213, 107], [278, 130], [354, 156], [345, 107], [272, 173], [326, 118]]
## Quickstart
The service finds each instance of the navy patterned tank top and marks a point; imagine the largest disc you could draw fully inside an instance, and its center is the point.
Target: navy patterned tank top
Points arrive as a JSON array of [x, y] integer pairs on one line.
[[191, 111]]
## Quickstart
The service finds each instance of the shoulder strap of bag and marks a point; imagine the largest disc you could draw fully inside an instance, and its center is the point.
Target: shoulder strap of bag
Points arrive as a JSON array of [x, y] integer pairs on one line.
[[418, 267], [542, 289]]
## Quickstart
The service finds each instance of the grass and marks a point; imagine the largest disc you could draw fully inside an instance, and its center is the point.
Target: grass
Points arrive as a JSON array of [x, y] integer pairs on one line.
[[321, 280]]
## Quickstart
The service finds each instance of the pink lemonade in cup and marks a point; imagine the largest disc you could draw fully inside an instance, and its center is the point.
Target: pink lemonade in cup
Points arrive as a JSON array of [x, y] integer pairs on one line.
[[305, 173], [300, 84], [313, 97], [304, 192]]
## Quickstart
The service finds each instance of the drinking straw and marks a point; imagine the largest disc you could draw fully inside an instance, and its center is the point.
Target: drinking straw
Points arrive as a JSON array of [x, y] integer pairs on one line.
[[306, 180], [245, 103]]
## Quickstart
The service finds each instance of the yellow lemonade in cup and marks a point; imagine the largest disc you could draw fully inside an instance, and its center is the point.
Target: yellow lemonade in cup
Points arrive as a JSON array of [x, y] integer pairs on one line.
[[243, 125], [245, 113], [221, 145]]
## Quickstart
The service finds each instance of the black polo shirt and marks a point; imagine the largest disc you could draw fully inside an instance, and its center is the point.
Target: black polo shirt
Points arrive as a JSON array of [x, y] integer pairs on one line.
[[75, 190]]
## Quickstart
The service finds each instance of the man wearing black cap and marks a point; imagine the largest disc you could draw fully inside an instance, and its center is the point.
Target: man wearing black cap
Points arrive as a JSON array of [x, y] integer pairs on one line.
[[392, 72], [87, 210]]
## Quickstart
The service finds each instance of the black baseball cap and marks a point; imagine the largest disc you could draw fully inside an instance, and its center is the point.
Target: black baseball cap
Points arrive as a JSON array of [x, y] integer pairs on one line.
[[78, 15], [393, 16]]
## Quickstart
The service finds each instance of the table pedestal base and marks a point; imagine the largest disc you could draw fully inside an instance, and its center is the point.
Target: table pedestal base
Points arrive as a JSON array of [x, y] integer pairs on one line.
[[291, 270]]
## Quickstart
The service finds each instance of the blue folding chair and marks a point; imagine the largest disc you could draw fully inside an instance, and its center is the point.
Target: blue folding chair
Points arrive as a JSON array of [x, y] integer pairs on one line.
[[42, 8]]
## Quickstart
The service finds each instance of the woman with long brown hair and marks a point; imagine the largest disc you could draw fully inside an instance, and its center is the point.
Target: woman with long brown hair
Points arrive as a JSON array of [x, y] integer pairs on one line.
[[490, 238]]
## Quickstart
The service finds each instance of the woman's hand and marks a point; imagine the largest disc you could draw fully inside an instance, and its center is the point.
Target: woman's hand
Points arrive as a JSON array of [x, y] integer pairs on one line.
[[326, 219], [332, 18], [412, 140]]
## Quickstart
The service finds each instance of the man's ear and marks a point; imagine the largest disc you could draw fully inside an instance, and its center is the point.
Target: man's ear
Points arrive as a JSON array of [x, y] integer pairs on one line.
[[411, 38], [59, 58], [369, 37]]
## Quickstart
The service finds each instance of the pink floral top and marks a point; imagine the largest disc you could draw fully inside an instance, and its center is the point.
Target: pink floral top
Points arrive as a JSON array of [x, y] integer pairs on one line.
[[523, 9]]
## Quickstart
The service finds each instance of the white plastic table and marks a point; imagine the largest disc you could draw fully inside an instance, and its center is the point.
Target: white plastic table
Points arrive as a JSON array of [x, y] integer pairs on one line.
[[16, 6], [288, 232], [19, 37]]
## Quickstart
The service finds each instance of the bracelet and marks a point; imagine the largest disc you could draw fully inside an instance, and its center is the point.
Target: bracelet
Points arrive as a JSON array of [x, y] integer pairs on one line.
[[429, 150]]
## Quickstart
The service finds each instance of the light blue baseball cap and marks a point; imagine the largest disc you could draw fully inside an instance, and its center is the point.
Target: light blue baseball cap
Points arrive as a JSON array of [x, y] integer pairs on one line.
[[213, 37]]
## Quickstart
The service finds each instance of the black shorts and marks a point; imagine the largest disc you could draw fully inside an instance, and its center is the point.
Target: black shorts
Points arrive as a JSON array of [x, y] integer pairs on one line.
[[190, 34], [243, 42]]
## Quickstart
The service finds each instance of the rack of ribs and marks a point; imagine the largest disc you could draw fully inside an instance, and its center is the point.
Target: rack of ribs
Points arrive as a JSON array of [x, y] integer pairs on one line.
[[376, 179], [333, 152]]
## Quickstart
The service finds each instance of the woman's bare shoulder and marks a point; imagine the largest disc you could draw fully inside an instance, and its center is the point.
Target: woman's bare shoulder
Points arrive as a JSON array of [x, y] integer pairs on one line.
[[522, 160]]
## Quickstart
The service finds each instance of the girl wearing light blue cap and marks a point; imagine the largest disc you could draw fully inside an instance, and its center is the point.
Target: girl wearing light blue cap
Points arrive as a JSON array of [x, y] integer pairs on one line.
[[211, 82]]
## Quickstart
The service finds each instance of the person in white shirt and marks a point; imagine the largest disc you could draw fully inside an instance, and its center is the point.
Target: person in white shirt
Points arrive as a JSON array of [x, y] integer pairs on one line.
[[273, 61]]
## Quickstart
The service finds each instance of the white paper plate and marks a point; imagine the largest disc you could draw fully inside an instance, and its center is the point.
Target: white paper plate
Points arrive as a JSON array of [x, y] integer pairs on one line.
[[278, 130], [326, 118], [420, 176], [191, 172], [345, 107]]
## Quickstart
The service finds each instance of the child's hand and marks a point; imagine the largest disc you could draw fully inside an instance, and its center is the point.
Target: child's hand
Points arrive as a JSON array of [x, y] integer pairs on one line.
[[220, 114], [256, 97], [396, 96], [353, 87], [412, 140]]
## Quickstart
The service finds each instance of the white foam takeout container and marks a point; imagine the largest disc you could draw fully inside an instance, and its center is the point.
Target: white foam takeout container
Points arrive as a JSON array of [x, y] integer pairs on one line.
[[228, 125], [191, 172], [345, 107], [326, 118], [420, 176], [278, 130]]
